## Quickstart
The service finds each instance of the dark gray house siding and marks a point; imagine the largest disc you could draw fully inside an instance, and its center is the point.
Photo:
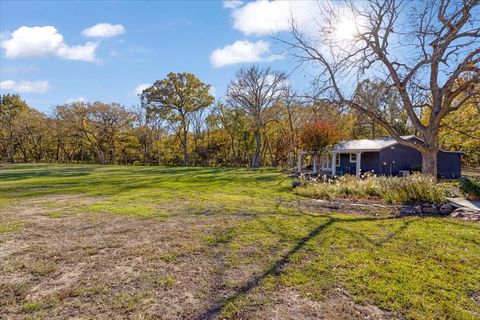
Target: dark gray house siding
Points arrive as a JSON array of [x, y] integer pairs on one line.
[[449, 165], [370, 162], [345, 167], [391, 160], [399, 157]]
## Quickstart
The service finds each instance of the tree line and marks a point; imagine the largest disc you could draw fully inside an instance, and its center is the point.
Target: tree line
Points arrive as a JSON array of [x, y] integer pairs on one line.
[[261, 121]]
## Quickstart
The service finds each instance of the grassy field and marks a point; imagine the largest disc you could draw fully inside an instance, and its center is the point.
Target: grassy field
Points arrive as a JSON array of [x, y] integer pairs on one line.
[[203, 243]]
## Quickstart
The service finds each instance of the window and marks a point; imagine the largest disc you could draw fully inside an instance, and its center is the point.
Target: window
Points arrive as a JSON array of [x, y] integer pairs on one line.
[[337, 160], [353, 157], [326, 161]]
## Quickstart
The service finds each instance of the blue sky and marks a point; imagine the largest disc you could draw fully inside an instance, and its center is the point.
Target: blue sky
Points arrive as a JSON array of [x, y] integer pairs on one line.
[[138, 43]]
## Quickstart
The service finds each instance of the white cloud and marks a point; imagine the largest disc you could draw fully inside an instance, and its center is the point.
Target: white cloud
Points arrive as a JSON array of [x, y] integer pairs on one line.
[[85, 52], [139, 89], [25, 86], [104, 30], [242, 52], [20, 69], [267, 17], [29, 42], [77, 99], [232, 4]]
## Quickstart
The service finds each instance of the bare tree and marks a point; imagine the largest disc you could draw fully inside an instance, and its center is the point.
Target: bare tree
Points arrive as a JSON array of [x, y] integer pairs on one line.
[[197, 123], [427, 51], [290, 100], [381, 99], [255, 90]]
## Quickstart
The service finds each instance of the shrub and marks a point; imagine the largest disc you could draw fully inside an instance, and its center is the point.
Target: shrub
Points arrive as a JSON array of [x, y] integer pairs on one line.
[[470, 187], [411, 189], [317, 190]]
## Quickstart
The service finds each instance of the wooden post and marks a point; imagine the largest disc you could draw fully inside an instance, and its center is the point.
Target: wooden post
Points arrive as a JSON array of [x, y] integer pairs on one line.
[[315, 166]]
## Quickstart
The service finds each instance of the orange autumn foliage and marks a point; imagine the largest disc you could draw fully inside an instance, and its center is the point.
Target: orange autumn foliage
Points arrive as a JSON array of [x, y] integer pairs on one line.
[[318, 134]]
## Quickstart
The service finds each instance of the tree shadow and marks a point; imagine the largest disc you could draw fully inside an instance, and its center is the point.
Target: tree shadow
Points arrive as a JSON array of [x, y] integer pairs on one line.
[[278, 266], [275, 269], [381, 242], [56, 173]]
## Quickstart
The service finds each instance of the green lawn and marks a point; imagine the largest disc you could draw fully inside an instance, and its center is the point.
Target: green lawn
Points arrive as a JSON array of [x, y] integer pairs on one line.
[[233, 239]]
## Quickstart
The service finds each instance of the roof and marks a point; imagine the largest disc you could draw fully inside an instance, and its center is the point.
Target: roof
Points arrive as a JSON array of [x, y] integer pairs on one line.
[[367, 144], [372, 145]]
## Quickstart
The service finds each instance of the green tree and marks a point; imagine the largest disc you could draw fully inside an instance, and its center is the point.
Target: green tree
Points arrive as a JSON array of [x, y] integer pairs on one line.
[[233, 123], [174, 99], [34, 136], [11, 107]]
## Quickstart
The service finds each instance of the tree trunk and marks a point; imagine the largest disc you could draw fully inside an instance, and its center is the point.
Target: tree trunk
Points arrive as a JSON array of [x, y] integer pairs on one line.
[[293, 146], [10, 145], [100, 155], [195, 146], [273, 160], [429, 152], [257, 155], [291, 160], [184, 145], [232, 142], [429, 161], [113, 158], [81, 152]]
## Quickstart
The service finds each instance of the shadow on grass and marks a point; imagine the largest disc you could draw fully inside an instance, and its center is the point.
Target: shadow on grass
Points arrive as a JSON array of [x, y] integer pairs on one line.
[[277, 267], [117, 179], [381, 242], [63, 173]]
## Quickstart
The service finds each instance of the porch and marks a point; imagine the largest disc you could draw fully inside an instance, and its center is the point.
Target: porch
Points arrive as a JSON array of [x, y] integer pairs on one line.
[[330, 163]]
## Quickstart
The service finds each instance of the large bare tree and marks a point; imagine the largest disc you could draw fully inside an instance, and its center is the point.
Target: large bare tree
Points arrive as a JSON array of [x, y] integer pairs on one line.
[[255, 90], [426, 51]]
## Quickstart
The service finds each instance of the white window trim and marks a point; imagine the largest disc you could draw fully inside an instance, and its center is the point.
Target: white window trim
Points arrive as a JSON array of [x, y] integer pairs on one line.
[[353, 161], [337, 160], [329, 160]]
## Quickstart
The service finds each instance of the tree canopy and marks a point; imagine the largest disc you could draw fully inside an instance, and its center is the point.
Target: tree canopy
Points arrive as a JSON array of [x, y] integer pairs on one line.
[[175, 99]]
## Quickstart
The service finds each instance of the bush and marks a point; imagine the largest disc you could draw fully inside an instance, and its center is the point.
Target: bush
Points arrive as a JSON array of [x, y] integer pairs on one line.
[[470, 187], [412, 189], [397, 190], [317, 190]]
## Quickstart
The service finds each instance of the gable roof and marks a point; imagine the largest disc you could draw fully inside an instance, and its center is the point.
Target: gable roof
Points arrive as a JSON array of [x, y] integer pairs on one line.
[[367, 144]]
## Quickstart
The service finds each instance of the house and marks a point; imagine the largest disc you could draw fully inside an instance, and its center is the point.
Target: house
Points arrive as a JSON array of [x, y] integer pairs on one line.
[[383, 156]]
